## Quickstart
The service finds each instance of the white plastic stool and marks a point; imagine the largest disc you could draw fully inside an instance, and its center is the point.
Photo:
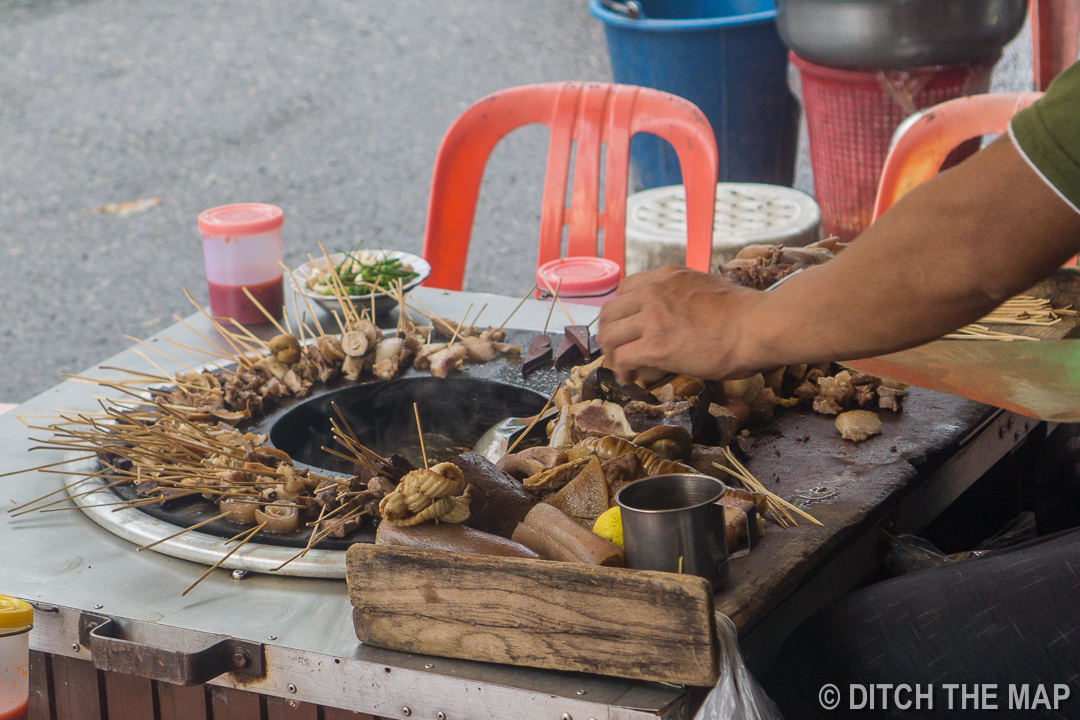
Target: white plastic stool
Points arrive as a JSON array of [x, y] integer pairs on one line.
[[746, 214]]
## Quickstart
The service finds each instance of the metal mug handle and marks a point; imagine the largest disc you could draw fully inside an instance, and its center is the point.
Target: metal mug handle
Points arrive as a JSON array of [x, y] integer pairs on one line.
[[751, 530]]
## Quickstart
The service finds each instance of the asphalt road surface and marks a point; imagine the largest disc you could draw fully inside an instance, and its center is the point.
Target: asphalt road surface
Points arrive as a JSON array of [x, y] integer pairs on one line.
[[331, 110]]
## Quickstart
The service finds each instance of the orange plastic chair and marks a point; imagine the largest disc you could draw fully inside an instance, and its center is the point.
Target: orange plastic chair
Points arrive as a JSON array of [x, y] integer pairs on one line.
[[592, 115], [1055, 29], [923, 141]]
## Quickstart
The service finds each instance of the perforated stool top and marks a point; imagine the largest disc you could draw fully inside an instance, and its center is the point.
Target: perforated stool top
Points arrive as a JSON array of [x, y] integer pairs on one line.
[[746, 214]]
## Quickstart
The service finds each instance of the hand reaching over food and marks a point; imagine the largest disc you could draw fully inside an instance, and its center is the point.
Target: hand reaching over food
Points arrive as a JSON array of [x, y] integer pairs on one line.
[[942, 257], [679, 320]]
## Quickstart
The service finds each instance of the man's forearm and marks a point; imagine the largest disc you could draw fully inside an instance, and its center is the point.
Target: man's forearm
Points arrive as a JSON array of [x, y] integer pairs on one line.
[[947, 253], [951, 250]]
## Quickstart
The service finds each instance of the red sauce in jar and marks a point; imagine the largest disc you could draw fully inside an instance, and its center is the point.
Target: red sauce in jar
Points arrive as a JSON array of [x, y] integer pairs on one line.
[[230, 301], [19, 713]]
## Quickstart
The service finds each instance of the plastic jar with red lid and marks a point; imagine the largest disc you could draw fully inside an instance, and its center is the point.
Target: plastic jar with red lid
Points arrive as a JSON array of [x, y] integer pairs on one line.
[[584, 280], [242, 249]]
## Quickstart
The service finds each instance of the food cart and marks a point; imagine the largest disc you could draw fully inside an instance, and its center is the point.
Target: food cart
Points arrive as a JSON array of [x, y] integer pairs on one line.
[[114, 638]]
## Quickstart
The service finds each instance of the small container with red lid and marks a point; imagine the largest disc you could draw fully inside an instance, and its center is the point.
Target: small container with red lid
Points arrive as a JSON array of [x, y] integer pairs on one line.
[[242, 248], [585, 280]]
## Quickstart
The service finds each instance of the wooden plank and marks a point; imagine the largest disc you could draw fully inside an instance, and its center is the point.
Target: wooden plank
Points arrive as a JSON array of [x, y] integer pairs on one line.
[[330, 713], [287, 709], [176, 702], [628, 623], [128, 697], [78, 690], [41, 701], [232, 704]]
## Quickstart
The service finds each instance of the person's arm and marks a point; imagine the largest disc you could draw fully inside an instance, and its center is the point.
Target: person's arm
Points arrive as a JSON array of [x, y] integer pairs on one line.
[[943, 256]]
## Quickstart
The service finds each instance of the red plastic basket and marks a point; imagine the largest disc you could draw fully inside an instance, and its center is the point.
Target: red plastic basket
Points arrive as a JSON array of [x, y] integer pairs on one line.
[[851, 116]]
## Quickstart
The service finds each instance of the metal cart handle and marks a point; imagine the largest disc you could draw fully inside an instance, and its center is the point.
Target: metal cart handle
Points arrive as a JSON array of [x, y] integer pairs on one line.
[[146, 652]]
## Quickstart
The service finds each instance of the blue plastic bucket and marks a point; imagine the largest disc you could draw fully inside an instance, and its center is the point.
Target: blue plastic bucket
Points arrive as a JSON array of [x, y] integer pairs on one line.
[[725, 56]]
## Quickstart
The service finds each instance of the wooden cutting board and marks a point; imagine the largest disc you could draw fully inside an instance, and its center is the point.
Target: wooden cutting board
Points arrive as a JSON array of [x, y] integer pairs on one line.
[[634, 624]]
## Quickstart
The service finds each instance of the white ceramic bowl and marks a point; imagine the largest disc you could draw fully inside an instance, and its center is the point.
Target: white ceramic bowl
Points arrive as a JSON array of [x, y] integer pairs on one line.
[[383, 301]]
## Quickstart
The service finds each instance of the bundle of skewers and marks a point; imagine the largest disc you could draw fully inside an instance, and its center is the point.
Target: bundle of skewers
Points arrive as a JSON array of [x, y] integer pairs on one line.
[[1019, 310]]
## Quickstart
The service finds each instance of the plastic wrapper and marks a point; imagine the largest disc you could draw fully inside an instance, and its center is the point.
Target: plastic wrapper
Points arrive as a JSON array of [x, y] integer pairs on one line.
[[737, 696], [909, 553]]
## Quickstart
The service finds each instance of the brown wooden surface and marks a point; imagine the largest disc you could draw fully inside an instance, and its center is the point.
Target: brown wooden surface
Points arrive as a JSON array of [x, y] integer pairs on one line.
[[232, 704], [285, 709], [129, 698], [62, 687], [176, 702], [612, 621], [78, 690], [338, 714], [40, 705]]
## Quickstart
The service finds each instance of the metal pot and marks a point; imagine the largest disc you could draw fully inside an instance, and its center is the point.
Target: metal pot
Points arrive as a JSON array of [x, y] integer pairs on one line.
[[897, 34]]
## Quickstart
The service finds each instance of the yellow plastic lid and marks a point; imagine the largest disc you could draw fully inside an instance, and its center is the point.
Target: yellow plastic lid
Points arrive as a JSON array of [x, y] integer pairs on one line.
[[15, 614]]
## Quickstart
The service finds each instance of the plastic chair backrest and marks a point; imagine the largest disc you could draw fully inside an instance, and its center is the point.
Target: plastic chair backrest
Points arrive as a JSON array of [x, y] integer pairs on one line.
[[1055, 25], [923, 141], [594, 116]]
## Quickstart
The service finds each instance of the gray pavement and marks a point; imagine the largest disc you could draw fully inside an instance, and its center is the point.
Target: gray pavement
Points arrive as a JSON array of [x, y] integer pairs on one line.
[[331, 109]]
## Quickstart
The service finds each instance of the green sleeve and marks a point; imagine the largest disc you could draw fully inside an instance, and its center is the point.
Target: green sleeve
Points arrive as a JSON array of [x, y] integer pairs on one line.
[[1048, 135]]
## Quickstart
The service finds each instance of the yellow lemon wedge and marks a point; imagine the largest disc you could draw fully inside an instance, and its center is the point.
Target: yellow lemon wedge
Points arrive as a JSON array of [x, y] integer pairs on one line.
[[609, 526]]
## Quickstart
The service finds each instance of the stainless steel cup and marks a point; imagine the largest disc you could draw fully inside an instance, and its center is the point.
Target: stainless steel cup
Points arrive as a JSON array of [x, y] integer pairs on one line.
[[672, 523]]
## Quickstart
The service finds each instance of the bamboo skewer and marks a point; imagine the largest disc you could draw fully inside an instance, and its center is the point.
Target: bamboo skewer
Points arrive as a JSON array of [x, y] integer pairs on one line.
[[981, 332], [168, 378], [160, 352], [125, 503], [434, 318], [744, 474], [285, 318], [420, 434], [251, 533], [190, 350], [308, 546], [46, 465], [561, 306], [476, 320], [460, 324], [307, 303], [225, 335], [530, 291], [339, 287], [337, 319], [552, 308], [534, 421], [269, 317], [250, 335], [1019, 310], [49, 494], [20, 513], [150, 501], [225, 354]]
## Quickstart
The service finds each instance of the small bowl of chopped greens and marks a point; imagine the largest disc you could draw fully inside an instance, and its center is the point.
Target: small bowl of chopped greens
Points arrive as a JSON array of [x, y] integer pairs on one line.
[[366, 277]]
